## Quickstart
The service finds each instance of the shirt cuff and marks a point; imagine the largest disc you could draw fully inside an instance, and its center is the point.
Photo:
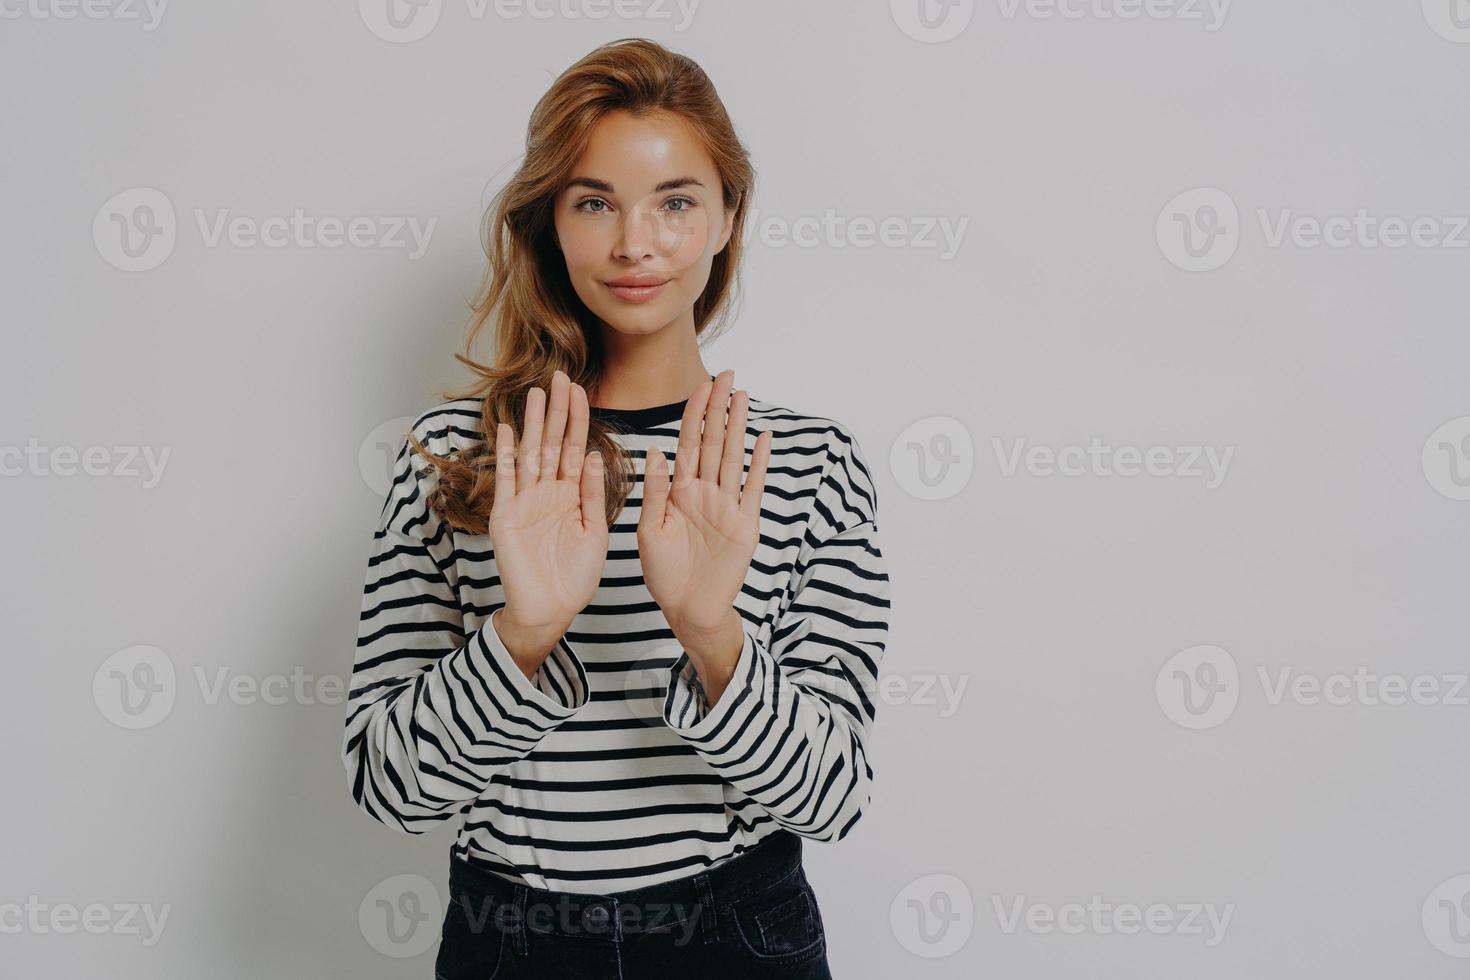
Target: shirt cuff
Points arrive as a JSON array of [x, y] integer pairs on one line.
[[560, 685], [686, 708]]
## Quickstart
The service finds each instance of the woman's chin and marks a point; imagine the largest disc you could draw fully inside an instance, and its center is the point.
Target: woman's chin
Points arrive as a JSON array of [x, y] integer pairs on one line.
[[636, 322]]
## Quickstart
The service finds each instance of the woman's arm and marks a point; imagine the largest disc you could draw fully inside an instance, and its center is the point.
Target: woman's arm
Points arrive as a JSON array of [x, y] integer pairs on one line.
[[433, 713], [790, 730]]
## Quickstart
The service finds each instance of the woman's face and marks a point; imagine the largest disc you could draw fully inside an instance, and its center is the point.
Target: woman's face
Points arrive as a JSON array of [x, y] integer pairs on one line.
[[640, 222]]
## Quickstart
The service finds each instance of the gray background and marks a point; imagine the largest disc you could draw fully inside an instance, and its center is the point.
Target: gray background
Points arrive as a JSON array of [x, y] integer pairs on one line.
[[1334, 833]]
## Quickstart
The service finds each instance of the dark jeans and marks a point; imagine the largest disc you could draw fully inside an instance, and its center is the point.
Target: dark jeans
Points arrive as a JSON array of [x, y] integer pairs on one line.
[[753, 916]]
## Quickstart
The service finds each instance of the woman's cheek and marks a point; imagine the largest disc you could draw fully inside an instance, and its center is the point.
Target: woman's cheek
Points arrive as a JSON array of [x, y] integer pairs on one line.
[[684, 242], [581, 251]]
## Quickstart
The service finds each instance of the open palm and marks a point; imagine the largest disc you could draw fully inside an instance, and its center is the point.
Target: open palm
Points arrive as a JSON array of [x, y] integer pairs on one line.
[[696, 538], [548, 522]]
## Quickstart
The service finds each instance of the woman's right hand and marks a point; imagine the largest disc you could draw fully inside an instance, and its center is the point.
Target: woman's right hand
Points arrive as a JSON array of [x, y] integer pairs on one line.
[[548, 522]]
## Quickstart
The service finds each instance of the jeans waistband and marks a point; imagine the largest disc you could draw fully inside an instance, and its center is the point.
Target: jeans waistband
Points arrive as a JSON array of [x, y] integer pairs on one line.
[[683, 904]]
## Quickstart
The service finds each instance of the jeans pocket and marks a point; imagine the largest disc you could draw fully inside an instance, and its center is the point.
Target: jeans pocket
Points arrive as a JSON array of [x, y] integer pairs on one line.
[[473, 939], [780, 924]]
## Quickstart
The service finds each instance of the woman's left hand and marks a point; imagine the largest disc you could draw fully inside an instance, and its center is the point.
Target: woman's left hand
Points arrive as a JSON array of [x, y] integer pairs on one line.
[[697, 538]]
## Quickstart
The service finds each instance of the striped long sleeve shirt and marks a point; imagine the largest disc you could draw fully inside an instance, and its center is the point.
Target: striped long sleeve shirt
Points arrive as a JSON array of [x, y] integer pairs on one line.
[[609, 770]]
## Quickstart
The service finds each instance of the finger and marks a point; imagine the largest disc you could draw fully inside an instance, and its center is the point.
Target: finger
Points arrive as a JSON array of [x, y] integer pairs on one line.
[[686, 456], [505, 466], [529, 460], [574, 445], [755, 480], [556, 425], [713, 441], [655, 489], [594, 505], [733, 462]]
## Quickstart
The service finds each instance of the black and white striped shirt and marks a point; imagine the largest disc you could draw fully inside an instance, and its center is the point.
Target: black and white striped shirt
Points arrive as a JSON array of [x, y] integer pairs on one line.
[[610, 771]]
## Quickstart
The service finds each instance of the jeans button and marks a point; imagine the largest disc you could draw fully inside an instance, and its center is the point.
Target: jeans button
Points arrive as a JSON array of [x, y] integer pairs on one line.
[[595, 916]]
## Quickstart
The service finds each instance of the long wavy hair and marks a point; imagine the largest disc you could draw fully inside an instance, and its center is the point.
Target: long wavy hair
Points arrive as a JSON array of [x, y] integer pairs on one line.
[[540, 322]]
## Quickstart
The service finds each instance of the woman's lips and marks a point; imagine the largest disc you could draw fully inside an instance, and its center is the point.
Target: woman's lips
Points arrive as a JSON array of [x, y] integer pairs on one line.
[[637, 293]]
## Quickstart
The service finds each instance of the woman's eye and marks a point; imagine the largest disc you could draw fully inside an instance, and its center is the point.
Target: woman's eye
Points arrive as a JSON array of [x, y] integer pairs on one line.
[[685, 201], [584, 205]]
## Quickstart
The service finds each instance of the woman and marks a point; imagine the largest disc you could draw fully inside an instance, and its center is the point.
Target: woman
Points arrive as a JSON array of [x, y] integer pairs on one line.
[[641, 701]]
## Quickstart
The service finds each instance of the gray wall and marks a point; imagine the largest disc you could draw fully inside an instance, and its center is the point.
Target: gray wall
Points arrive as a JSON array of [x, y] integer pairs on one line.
[[1172, 435]]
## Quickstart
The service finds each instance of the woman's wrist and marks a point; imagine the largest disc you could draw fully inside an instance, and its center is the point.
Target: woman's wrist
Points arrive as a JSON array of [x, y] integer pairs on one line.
[[529, 645]]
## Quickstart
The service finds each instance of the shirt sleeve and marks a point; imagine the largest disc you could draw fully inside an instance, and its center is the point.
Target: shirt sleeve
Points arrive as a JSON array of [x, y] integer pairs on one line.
[[434, 712], [790, 730]]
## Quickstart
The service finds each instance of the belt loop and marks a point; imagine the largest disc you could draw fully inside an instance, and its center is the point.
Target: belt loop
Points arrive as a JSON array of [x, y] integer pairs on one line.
[[708, 912], [518, 920]]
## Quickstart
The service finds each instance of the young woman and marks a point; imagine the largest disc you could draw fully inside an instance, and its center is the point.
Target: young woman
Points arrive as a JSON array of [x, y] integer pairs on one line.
[[643, 672]]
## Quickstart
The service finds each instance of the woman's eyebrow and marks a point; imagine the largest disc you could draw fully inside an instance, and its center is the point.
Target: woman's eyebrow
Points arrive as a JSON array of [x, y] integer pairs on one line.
[[607, 188]]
